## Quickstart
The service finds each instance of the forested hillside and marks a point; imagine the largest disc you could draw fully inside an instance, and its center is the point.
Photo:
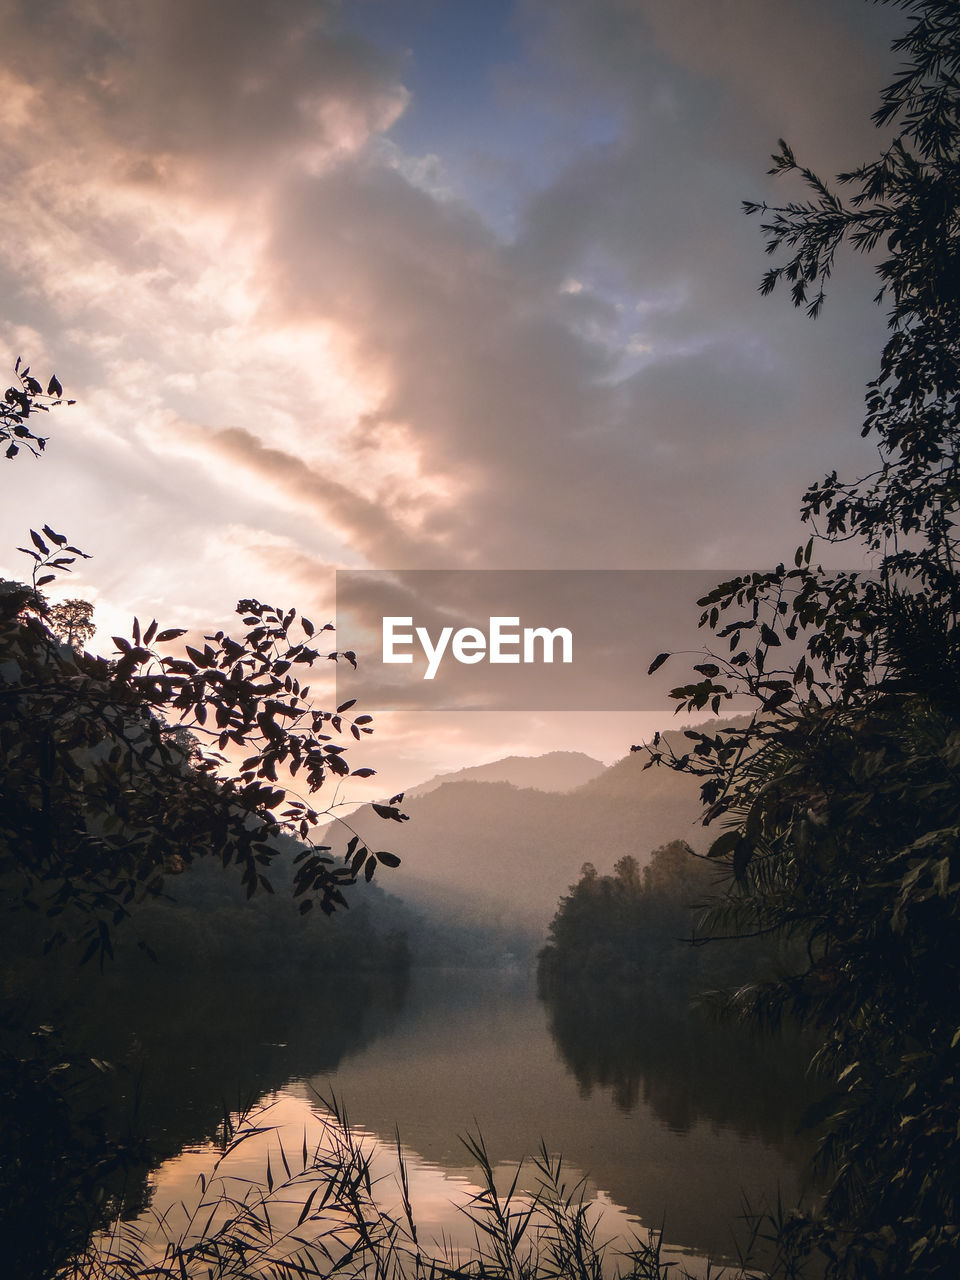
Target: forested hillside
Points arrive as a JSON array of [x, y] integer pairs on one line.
[[511, 851], [640, 930]]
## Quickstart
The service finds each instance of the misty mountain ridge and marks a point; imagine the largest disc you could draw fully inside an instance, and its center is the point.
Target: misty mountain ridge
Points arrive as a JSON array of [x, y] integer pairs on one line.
[[505, 852], [555, 771]]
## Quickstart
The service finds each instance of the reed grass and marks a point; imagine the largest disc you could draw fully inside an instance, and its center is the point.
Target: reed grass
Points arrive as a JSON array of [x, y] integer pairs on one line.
[[321, 1211]]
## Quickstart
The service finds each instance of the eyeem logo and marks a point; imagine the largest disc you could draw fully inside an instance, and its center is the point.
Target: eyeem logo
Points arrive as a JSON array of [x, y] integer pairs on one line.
[[469, 644], [536, 640]]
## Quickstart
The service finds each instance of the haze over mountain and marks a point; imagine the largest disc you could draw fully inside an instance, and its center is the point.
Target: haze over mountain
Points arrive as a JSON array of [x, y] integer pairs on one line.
[[555, 771], [506, 853]]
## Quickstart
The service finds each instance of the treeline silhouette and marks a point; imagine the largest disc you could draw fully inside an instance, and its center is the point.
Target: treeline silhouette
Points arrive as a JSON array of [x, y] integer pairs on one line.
[[640, 929]]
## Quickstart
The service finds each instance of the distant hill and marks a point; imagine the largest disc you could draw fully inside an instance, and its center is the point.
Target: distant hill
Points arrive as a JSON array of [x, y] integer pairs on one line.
[[555, 771], [507, 853]]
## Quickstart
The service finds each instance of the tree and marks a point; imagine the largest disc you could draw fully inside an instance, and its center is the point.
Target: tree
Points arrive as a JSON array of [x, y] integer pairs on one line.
[[118, 772], [72, 621], [841, 799], [631, 927]]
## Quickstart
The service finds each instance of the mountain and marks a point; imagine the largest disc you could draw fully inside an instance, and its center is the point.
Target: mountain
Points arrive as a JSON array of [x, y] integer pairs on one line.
[[555, 771], [500, 853]]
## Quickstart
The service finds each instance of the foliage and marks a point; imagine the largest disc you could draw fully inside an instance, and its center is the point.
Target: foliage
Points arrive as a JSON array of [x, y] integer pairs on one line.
[[848, 841], [907, 200], [841, 799], [119, 772], [21, 401], [204, 921]]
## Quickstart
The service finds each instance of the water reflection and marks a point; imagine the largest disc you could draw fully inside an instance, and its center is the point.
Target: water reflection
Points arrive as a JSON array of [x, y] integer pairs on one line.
[[189, 1191], [156, 1057], [682, 1063], [672, 1122], [670, 1118]]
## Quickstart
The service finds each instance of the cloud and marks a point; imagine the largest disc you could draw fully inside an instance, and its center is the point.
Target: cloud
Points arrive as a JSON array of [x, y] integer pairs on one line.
[[517, 397], [808, 68], [456, 402], [364, 524], [479, 365], [209, 215], [221, 93]]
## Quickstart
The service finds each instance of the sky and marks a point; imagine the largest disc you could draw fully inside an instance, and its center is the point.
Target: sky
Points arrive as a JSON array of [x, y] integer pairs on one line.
[[422, 284]]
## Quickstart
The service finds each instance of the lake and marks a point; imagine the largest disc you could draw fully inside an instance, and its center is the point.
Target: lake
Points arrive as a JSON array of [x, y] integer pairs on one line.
[[672, 1120]]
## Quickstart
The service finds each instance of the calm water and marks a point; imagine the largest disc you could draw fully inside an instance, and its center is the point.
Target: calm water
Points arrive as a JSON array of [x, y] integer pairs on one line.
[[673, 1121]]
